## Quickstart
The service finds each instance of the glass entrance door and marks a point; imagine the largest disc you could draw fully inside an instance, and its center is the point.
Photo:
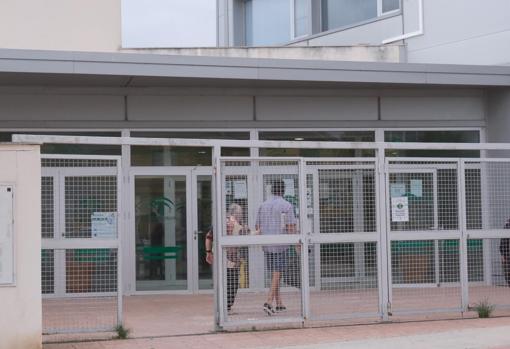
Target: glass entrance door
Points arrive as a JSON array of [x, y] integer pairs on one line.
[[203, 225], [161, 232], [172, 215]]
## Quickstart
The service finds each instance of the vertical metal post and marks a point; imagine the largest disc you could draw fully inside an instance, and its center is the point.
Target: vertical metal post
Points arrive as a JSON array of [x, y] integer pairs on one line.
[[120, 228], [217, 219], [384, 250], [463, 245], [304, 231]]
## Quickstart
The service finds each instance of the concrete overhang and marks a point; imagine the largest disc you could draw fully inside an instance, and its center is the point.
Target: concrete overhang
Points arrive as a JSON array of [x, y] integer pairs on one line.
[[57, 68]]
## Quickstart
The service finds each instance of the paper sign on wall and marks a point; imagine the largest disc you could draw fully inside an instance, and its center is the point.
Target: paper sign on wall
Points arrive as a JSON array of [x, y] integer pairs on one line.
[[416, 187], [240, 190], [399, 209], [397, 190], [104, 225]]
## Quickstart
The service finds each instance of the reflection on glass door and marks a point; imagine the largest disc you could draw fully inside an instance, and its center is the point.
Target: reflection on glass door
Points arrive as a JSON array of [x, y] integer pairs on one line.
[[161, 233], [204, 223]]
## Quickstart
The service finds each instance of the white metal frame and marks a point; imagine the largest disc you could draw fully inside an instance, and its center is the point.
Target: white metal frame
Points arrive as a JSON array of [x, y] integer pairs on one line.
[[382, 168], [59, 243], [192, 248]]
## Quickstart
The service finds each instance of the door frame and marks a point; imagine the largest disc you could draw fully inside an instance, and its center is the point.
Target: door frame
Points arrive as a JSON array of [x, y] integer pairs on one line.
[[191, 173]]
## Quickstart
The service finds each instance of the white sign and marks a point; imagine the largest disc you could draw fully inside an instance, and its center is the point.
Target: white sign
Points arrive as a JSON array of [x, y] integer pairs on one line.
[[104, 225], [289, 187], [397, 190], [6, 235], [399, 209], [416, 188], [240, 190]]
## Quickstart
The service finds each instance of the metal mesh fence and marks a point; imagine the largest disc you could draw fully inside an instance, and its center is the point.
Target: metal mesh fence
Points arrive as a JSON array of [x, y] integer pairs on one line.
[[346, 283], [276, 293], [490, 266], [89, 296], [425, 275], [86, 196], [47, 208], [80, 283], [487, 186]]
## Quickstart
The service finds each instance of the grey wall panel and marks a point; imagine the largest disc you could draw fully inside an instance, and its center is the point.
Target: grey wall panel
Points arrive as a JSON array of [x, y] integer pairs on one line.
[[316, 108], [480, 33], [498, 119], [432, 108], [186, 108], [47, 107]]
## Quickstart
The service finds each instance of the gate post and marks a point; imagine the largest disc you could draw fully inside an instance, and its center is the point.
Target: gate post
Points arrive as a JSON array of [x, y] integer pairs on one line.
[[463, 253], [304, 232], [384, 270]]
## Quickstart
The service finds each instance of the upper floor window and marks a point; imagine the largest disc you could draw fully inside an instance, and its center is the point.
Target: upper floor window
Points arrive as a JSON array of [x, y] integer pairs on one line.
[[267, 22], [343, 13]]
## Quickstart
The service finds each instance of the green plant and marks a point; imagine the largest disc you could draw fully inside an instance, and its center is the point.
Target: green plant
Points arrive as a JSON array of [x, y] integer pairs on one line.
[[122, 332], [484, 308]]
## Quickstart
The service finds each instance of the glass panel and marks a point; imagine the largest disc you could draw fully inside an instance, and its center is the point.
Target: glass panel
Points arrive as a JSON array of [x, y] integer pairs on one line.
[[436, 137], [161, 233], [267, 22], [193, 135], [342, 13], [421, 208], [322, 136], [85, 149], [235, 151], [170, 156], [204, 223], [390, 5], [301, 17]]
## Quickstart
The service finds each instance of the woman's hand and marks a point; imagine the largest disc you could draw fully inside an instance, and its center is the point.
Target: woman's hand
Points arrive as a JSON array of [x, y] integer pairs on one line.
[[209, 258]]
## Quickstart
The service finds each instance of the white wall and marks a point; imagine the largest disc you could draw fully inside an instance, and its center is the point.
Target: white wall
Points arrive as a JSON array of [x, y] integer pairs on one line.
[[77, 25], [169, 23], [21, 318], [460, 32]]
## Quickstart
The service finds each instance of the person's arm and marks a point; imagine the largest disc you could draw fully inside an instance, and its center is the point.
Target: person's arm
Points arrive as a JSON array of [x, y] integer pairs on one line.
[[208, 247]]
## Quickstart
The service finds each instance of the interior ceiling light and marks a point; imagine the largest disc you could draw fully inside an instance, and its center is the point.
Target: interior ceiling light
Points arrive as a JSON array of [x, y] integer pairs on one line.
[[299, 139]]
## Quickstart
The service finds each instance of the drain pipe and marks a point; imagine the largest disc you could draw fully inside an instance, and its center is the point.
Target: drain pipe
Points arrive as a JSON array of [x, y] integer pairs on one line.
[[412, 34]]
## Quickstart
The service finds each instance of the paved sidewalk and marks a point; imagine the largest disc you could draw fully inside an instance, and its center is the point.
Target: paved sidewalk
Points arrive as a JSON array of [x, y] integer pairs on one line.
[[491, 333]]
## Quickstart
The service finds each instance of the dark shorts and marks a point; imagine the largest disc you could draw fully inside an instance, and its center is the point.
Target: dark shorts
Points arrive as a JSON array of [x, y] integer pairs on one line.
[[276, 261]]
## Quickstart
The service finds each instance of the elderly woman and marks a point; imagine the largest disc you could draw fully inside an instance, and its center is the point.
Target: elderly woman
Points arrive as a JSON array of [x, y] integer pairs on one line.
[[233, 227]]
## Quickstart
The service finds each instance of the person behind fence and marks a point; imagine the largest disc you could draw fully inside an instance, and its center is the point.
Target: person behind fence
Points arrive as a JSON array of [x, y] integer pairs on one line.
[[275, 216], [504, 250], [234, 227]]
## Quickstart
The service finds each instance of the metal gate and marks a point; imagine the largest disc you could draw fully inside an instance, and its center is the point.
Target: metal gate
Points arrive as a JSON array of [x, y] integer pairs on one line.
[[81, 257], [406, 237]]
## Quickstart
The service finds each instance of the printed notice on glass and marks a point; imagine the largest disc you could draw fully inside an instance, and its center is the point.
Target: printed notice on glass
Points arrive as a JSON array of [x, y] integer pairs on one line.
[[399, 209], [289, 187], [240, 190], [6, 236], [416, 188], [104, 225], [397, 190]]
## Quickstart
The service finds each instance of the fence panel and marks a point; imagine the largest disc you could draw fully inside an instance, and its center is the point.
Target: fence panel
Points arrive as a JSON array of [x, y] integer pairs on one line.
[[80, 259], [487, 202], [425, 234]]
